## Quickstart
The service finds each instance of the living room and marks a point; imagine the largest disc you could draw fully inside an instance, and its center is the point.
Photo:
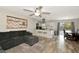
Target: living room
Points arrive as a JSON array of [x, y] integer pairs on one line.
[[39, 29]]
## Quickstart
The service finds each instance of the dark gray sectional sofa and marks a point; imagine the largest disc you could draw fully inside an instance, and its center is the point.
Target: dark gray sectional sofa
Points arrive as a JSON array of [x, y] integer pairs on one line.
[[14, 38]]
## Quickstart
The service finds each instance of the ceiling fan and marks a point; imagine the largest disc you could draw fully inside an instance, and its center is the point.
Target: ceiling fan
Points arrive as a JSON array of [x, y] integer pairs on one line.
[[37, 11]]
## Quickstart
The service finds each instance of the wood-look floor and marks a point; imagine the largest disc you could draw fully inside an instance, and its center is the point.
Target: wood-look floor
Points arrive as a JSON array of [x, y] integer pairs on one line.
[[46, 45]]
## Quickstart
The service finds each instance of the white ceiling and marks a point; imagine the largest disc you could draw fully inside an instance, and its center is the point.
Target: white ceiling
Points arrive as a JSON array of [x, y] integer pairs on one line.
[[57, 12]]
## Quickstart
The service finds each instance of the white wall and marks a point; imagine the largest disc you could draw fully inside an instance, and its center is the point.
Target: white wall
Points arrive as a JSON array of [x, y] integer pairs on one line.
[[3, 22], [31, 25]]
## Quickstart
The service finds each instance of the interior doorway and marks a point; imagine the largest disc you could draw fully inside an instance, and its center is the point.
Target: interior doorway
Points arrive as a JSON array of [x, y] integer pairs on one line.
[[61, 40], [61, 31]]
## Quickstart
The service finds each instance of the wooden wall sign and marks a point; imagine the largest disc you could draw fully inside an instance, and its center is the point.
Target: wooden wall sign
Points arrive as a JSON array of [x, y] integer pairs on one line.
[[16, 23]]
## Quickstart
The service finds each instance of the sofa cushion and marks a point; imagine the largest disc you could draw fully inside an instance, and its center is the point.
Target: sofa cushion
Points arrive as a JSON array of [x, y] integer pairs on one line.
[[4, 35], [31, 40]]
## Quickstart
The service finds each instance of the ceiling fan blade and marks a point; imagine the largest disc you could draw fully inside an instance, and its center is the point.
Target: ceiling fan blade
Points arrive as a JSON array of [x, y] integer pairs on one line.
[[28, 10], [31, 14], [46, 13]]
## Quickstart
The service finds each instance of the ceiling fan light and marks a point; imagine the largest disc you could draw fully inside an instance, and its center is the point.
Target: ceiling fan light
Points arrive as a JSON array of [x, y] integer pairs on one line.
[[37, 14]]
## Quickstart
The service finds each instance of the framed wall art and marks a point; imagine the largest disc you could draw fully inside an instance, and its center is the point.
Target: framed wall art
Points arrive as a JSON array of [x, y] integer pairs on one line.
[[16, 23]]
